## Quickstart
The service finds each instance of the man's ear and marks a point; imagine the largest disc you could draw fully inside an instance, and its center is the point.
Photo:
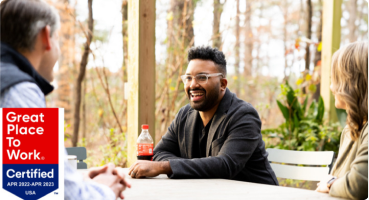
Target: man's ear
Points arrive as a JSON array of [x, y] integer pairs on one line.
[[223, 84], [45, 37]]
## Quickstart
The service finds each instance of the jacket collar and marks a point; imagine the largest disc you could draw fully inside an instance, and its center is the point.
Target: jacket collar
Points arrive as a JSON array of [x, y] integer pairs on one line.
[[218, 117], [9, 55]]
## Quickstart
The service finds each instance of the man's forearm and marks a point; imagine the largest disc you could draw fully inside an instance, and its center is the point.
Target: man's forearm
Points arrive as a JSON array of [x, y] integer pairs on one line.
[[165, 156]]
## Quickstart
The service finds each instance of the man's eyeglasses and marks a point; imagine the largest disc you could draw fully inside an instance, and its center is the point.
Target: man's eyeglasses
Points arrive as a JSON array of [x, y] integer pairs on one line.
[[199, 78]]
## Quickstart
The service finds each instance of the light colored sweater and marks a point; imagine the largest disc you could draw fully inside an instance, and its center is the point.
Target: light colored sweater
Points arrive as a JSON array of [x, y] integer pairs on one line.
[[351, 166]]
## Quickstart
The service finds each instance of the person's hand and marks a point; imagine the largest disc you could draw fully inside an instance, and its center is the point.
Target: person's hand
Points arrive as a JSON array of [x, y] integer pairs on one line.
[[143, 168], [94, 171], [111, 179], [122, 175], [322, 185]]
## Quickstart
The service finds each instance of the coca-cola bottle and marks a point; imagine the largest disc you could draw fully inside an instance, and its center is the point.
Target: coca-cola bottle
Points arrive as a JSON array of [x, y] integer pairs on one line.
[[145, 144]]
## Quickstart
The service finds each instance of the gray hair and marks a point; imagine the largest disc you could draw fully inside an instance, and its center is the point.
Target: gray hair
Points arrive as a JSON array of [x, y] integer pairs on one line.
[[22, 20]]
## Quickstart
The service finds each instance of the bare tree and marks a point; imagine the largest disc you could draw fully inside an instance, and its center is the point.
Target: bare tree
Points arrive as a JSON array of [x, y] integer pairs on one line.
[[249, 39], [258, 49], [237, 48], [125, 37], [363, 19], [66, 59], [84, 130], [217, 13], [105, 84], [285, 36], [352, 19], [182, 15], [318, 54], [180, 38], [81, 75], [124, 11], [308, 33]]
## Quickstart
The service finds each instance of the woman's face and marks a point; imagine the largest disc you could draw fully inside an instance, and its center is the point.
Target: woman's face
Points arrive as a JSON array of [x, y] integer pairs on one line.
[[338, 102]]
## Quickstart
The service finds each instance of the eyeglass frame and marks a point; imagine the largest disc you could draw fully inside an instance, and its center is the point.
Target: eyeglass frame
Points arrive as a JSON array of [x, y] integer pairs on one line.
[[194, 77]]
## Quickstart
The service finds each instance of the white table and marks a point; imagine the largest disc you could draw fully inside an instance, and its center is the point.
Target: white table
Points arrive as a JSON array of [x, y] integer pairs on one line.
[[162, 188]]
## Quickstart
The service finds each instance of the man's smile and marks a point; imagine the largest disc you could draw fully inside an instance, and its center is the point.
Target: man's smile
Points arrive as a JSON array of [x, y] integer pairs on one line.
[[196, 95]]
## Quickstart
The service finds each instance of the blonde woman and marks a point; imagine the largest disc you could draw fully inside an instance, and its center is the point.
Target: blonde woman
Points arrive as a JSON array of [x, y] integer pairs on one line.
[[349, 178]]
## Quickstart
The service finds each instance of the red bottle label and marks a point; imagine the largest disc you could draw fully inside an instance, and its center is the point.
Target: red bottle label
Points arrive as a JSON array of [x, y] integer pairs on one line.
[[145, 149]]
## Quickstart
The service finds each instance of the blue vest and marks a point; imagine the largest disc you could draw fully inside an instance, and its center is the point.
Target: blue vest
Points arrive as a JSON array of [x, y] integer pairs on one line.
[[15, 68]]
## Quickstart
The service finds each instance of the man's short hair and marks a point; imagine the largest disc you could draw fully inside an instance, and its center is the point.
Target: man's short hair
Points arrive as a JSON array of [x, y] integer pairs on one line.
[[208, 53], [22, 20]]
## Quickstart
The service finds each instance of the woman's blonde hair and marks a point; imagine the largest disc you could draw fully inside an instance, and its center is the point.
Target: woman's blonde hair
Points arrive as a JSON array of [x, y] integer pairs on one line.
[[350, 80]]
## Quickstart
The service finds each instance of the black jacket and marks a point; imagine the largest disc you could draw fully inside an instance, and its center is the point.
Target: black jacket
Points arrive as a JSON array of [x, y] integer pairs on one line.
[[235, 149], [15, 68]]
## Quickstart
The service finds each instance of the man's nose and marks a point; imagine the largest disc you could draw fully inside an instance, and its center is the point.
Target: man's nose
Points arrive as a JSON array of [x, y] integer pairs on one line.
[[193, 83]]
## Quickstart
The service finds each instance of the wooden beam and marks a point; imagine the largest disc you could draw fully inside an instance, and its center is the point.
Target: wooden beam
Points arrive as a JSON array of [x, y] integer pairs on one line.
[[331, 39], [141, 72]]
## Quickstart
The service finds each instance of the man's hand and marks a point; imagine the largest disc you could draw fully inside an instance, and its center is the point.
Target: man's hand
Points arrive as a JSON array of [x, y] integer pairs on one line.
[[322, 185], [143, 168], [111, 176]]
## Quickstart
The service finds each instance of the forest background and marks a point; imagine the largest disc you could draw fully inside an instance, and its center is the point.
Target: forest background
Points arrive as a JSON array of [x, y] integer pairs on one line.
[[267, 44]]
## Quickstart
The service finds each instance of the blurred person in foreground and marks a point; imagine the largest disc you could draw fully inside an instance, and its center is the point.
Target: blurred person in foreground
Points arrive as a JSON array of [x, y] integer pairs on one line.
[[29, 51], [349, 85], [216, 135]]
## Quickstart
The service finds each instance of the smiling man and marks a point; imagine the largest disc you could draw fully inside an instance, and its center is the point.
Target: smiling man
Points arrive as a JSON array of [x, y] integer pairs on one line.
[[217, 135]]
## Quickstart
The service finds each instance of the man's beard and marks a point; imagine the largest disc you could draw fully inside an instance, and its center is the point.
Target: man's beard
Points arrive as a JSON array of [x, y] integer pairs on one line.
[[210, 99]]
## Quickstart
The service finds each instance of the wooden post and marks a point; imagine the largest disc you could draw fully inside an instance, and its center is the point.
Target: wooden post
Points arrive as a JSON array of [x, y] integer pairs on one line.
[[331, 39], [141, 72]]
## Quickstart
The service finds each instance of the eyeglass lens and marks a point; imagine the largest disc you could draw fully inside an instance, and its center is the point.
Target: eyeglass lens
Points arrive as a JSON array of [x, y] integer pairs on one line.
[[198, 78]]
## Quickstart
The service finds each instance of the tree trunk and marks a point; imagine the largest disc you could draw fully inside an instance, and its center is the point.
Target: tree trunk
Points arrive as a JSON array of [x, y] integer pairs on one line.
[[258, 59], [351, 21], [285, 16], [318, 54], [362, 16], [125, 38], [180, 38], [81, 75], [237, 50], [66, 61], [217, 13], [249, 40], [308, 33], [178, 20], [84, 109], [125, 57]]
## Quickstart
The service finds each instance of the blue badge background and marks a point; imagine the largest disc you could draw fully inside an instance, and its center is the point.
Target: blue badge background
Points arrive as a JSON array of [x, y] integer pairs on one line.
[[39, 190]]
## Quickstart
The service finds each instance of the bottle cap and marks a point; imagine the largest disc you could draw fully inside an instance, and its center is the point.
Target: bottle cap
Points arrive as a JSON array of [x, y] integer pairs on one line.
[[145, 126]]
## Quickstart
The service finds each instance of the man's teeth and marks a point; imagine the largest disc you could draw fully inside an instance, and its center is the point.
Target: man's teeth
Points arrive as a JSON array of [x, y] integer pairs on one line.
[[196, 94]]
